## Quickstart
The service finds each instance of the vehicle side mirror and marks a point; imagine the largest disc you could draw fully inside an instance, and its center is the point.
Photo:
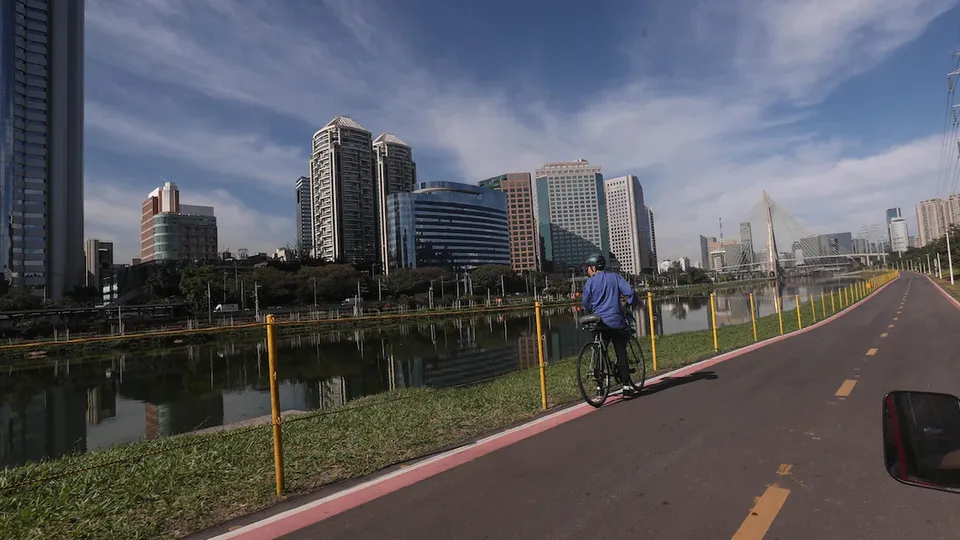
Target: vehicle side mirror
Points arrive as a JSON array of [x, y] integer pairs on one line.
[[921, 439]]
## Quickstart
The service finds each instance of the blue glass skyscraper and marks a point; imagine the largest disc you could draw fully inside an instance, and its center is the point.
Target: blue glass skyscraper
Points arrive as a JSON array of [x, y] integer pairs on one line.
[[41, 144]]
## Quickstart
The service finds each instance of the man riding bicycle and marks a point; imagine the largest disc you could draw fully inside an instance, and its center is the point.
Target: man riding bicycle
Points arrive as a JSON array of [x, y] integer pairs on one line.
[[601, 296]]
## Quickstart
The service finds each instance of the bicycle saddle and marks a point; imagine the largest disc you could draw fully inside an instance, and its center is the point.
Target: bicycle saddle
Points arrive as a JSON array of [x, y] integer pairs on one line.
[[589, 319]]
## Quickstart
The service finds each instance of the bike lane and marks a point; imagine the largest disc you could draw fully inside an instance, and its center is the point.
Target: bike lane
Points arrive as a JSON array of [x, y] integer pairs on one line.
[[684, 463]]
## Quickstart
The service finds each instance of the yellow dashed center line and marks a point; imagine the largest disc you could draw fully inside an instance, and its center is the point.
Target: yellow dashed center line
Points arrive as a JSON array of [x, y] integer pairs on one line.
[[846, 388], [761, 516], [883, 334], [872, 352]]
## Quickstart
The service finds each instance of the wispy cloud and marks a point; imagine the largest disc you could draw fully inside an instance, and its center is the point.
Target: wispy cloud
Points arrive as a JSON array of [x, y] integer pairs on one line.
[[694, 143]]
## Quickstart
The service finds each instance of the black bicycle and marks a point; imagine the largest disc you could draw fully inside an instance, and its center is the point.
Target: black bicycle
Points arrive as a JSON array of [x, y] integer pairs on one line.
[[596, 366]]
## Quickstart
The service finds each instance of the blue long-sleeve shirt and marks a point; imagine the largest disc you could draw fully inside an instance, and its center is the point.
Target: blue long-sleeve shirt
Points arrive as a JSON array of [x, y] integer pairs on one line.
[[601, 296]]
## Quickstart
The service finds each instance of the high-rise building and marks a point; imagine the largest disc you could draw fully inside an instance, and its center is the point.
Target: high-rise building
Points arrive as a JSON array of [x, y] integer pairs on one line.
[[892, 213], [705, 243], [304, 217], [653, 237], [746, 240], [951, 211], [571, 214], [395, 173], [860, 245], [170, 231], [523, 230], [684, 263], [449, 225], [99, 256], [930, 220], [899, 239], [628, 223], [41, 144], [344, 200]]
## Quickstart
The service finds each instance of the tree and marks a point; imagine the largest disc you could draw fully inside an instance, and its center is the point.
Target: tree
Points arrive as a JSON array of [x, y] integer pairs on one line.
[[19, 298], [163, 282], [194, 281], [488, 276], [406, 281], [333, 282], [276, 286]]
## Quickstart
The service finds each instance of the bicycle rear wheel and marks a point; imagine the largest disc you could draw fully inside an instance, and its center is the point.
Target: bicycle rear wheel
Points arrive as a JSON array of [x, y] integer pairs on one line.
[[637, 363], [592, 376]]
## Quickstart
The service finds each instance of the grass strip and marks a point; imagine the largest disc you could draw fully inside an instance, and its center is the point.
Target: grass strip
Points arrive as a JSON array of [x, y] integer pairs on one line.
[[190, 482]]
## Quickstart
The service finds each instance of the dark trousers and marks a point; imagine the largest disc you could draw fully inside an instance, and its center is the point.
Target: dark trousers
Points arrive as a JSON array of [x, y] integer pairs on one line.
[[619, 338]]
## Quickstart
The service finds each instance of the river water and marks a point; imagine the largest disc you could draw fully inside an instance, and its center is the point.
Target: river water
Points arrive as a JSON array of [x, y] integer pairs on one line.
[[84, 404]]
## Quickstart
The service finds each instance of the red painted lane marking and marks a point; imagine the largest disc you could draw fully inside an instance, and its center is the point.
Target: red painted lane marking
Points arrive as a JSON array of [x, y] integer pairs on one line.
[[321, 509]]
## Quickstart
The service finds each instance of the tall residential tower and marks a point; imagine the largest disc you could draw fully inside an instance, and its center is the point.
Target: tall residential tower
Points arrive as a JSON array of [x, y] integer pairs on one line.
[[304, 219], [395, 173], [628, 223], [931, 224], [41, 144], [343, 199]]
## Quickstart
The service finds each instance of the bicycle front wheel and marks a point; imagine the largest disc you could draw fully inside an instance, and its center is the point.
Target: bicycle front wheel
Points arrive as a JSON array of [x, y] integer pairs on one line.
[[592, 376]]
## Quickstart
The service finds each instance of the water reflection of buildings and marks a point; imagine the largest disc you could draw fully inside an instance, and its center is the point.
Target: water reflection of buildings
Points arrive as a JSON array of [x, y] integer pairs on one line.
[[202, 386], [52, 422]]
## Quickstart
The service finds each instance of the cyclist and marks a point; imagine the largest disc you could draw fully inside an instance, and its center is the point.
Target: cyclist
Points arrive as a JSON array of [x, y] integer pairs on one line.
[[601, 296]]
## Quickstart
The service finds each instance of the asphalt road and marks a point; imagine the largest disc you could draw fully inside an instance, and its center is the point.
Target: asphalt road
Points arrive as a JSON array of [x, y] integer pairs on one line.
[[691, 460]]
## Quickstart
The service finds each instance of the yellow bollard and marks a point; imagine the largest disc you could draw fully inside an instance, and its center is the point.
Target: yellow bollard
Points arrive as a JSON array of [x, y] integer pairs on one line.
[[753, 318], [813, 309], [538, 307], [823, 304], [653, 332], [799, 321], [833, 303], [779, 302], [275, 404], [713, 316]]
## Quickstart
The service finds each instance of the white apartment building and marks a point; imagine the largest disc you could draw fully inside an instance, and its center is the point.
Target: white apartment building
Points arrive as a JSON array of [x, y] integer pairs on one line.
[[628, 223], [899, 237], [344, 193], [930, 220]]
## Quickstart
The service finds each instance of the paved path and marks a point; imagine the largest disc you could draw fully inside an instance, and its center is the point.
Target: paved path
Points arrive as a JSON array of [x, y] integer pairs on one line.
[[692, 461]]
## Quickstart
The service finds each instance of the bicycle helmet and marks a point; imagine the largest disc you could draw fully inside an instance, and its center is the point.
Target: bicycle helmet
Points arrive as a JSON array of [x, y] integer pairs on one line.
[[596, 261]]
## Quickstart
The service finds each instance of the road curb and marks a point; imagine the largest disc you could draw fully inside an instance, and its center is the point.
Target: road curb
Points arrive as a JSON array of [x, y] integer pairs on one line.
[[320, 509], [945, 294]]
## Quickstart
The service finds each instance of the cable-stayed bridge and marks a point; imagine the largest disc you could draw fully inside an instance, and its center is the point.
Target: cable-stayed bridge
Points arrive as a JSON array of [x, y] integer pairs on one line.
[[772, 241]]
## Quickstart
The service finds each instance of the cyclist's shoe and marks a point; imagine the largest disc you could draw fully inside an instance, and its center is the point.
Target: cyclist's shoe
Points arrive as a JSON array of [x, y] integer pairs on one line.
[[628, 391]]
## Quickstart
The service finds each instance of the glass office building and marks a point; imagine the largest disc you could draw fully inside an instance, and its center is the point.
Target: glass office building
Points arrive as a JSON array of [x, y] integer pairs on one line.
[[447, 224], [571, 213], [41, 144]]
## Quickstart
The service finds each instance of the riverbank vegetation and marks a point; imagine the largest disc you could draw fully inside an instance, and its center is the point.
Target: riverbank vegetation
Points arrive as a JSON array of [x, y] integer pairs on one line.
[[166, 488]]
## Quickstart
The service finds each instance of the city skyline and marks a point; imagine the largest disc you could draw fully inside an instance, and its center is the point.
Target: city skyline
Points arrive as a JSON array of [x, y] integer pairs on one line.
[[232, 125]]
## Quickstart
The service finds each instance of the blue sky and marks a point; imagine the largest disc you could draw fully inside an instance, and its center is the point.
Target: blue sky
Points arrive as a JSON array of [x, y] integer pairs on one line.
[[836, 107]]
